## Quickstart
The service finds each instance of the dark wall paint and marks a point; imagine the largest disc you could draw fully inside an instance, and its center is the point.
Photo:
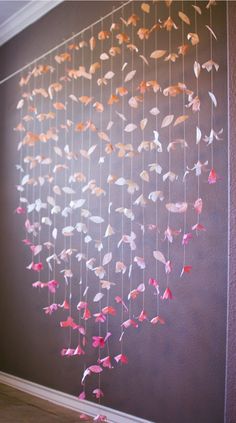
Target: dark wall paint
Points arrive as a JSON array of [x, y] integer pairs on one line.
[[181, 370], [231, 338]]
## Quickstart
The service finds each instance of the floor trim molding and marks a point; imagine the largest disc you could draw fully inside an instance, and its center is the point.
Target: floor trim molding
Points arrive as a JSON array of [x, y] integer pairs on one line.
[[68, 401]]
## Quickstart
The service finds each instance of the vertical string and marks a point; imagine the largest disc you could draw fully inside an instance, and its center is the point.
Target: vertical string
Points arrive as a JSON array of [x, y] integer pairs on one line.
[[131, 159], [89, 175], [40, 169], [21, 166], [184, 137], [88, 192], [170, 138], [122, 188], [143, 162], [49, 188], [34, 168], [71, 175], [68, 291], [109, 188], [21, 134], [212, 87], [100, 206], [198, 112], [55, 181], [21, 137], [27, 154], [81, 170], [156, 175], [65, 178]]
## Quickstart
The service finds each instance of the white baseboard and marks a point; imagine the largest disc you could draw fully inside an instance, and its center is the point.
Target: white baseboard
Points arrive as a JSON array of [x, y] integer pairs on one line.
[[68, 401]]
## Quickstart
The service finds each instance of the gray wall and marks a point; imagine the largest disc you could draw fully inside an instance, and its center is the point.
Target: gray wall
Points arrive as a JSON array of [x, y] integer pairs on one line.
[[230, 394], [181, 368]]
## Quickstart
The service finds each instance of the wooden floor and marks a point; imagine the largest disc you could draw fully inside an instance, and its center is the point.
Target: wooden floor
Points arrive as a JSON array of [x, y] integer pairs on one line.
[[18, 407]]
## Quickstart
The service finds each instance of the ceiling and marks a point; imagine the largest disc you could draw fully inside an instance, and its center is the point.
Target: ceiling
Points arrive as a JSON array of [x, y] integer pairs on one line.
[[8, 8], [17, 15]]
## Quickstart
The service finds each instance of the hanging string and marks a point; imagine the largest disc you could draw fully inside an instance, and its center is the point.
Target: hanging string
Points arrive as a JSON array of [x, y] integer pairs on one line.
[[71, 174], [40, 169], [169, 138], [156, 176], [100, 208], [109, 188], [88, 179], [212, 88], [55, 181], [66, 168], [122, 187], [184, 137], [88, 200], [143, 163], [34, 168], [131, 161], [81, 170], [20, 138], [49, 188], [198, 112], [21, 162], [68, 289], [27, 168]]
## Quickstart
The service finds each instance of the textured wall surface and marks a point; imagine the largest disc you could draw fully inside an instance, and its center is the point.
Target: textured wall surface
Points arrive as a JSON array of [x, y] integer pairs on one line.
[[231, 337], [175, 376]]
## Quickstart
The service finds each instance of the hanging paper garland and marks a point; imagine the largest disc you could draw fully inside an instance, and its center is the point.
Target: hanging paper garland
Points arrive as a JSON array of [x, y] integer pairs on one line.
[[107, 168]]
